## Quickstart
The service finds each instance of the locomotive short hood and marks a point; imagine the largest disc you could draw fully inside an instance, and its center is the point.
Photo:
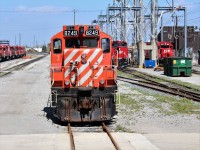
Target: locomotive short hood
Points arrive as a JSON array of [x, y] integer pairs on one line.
[[83, 67]]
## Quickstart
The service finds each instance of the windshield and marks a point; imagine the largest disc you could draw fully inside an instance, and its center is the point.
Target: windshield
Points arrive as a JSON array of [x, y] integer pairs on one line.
[[116, 44], [78, 43], [164, 46]]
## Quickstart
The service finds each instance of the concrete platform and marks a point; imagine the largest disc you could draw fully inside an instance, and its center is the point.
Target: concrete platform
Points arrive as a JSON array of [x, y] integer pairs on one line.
[[35, 142], [100, 141]]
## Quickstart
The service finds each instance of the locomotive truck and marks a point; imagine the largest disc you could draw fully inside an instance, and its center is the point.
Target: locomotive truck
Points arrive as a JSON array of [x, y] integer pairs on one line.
[[83, 79]]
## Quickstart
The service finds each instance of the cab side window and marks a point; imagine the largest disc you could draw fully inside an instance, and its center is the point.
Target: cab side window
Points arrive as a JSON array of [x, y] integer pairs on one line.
[[57, 46], [105, 45]]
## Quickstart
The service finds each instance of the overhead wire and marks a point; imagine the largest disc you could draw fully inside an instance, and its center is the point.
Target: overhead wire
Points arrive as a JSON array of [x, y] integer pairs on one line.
[[47, 11]]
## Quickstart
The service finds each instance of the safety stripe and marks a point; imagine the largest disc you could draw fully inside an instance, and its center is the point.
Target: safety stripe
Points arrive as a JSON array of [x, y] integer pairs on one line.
[[99, 72], [87, 75], [78, 58], [70, 56], [100, 58], [92, 57], [83, 67], [86, 71]]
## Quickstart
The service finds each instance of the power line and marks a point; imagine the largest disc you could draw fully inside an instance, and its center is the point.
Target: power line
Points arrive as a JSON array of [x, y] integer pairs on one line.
[[50, 28], [194, 18], [47, 11], [191, 4], [33, 11]]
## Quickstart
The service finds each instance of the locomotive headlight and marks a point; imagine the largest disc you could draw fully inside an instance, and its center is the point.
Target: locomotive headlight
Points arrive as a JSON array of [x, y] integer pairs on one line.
[[67, 83], [83, 58], [76, 62], [81, 30], [95, 65], [83, 55], [102, 81]]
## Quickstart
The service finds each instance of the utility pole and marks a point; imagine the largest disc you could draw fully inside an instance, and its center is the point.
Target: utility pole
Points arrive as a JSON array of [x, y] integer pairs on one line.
[[176, 36], [19, 39], [74, 16], [185, 31], [34, 41], [15, 40]]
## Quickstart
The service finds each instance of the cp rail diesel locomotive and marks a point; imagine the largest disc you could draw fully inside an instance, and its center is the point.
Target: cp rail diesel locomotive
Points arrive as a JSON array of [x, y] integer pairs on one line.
[[120, 53], [165, 50], [8, 52], [83, 80]]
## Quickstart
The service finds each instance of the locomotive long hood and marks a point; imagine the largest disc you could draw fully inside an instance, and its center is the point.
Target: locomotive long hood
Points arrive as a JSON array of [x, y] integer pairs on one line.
[[83, 67]]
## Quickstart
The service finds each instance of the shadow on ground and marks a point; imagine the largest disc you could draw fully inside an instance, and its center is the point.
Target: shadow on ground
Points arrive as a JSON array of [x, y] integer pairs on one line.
[[49, 115]]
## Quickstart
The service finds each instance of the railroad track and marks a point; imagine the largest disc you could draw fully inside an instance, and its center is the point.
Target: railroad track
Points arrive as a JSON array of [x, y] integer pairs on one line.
[[168, 87], [152, 78], [104, 128], [196, 72], [19, 66], [71, 137]]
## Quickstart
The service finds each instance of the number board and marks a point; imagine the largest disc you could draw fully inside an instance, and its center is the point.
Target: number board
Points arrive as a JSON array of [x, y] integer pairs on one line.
[[91, 32], [70, 33]]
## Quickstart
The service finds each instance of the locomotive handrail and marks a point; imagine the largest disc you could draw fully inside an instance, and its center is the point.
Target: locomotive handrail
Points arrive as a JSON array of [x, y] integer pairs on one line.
[[53, 76]]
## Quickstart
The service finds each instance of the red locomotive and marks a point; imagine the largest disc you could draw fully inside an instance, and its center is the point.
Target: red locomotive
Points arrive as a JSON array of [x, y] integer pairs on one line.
[[3, 52], [120, 53], [20, 51], [165, 49], [82, 76], [10, 52]]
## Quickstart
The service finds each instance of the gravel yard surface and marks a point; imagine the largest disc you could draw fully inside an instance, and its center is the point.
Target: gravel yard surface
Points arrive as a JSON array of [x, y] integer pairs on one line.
[[145, 119], [142, 111], [23, 97]]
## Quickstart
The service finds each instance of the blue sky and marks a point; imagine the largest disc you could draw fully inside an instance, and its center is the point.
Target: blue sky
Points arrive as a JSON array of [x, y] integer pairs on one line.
[[15, 19]]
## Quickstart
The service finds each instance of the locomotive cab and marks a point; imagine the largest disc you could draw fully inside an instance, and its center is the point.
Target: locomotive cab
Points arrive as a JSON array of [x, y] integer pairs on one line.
[[82, 76]]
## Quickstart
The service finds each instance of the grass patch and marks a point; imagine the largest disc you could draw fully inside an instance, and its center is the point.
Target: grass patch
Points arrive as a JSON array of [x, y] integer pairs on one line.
[[166, 104], [176, 105], [120, 73], [126, 99], [185, 106], [194, 86]]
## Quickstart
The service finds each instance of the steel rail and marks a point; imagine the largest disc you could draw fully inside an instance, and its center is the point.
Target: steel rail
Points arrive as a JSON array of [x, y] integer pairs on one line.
[[196, 72], [172, 91], [71, 137], [133, 72], [17, 67], [152, 82], [110, 136]]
